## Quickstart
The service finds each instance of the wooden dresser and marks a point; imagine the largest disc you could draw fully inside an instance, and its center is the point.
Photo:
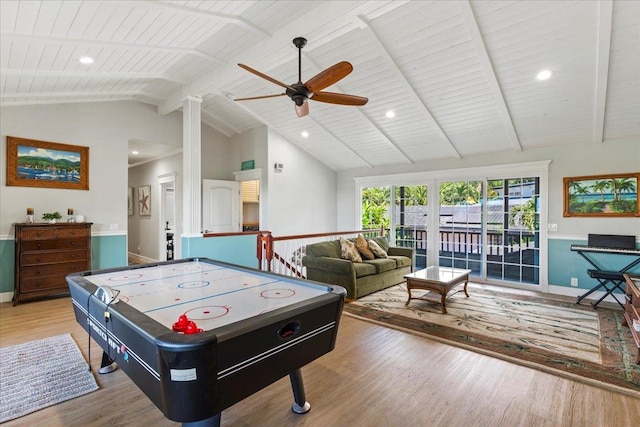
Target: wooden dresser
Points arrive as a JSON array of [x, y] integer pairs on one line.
[[632, 308], [45, 254]]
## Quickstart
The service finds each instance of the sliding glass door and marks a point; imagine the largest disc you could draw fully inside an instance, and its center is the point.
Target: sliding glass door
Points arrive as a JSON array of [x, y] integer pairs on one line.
[[490, 226], [513, 230], [462, 224]]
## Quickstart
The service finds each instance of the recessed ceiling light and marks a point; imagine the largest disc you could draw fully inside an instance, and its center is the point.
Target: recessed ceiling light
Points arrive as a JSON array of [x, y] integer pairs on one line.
[[390, 114], [544, 75], [86, 60], [134, 152], [305, 134]]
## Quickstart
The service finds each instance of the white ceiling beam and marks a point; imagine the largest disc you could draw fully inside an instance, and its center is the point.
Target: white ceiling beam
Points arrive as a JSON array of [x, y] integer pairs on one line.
[[61, 101], [492, 80], [88, 75], [324, 23], [364, 116], [402, 79], [605, 15], [108, 43], [70, 94], [232, 19]]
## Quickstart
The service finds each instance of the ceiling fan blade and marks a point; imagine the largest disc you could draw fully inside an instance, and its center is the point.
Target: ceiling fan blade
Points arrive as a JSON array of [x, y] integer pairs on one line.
[[264, 76], [302, 110], [259, 97], [329, 76], [339, 98]]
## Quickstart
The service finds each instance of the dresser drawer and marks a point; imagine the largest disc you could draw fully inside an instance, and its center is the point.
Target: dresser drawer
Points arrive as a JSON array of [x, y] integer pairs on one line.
[[66, 232], [53, 269], [43, 245], [45, 254], [38, 233], [37, 284], [52, 257]]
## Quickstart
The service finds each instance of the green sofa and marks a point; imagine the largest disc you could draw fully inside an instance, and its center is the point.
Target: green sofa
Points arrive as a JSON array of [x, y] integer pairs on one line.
[[324, 264]]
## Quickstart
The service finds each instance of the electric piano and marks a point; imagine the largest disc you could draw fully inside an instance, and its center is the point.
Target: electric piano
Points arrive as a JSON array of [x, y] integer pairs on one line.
[[607, 244]]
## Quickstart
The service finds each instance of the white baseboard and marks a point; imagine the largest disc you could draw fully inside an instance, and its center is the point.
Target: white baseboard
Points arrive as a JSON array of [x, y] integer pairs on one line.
[[576, 292], [6, 296], [132, 257]]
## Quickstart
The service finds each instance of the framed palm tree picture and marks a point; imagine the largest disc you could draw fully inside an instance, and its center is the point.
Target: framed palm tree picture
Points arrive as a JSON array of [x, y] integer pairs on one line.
[[614, 195]]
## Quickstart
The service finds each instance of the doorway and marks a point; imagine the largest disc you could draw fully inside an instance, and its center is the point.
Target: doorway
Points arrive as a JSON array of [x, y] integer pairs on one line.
[[167, 242]]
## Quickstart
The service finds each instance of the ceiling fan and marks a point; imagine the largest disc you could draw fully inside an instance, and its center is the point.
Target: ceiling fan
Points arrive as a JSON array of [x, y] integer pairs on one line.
[[300, 92]]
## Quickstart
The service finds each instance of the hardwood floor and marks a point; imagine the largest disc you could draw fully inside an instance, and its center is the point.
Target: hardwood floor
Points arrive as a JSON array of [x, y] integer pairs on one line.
[[376, 376]]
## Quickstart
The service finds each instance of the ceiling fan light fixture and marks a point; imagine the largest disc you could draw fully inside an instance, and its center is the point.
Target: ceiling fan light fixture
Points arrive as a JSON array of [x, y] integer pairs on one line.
[[544, 75], [301, 92], [86, 60]]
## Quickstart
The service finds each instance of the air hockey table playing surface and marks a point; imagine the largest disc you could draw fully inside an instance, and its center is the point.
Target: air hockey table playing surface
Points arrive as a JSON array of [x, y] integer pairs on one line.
[[212, 295], [256, 328]]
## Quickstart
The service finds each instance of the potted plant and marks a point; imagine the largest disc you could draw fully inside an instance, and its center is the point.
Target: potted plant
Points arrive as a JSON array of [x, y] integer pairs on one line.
[[51, 217]]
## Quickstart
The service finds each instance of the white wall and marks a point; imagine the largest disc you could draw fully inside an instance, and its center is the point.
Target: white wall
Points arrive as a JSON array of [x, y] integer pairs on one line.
[[302, 199], [572, 160], [103, 127], [215, 151]]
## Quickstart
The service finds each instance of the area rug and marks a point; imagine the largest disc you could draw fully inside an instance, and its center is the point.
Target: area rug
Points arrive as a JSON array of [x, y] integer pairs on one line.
[[555, 336], [41, 373]]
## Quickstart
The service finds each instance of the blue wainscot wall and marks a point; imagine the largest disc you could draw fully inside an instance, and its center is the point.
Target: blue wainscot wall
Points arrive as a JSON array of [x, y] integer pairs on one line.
[[111, 251], [106, 252], [239, 250], [565, 264]]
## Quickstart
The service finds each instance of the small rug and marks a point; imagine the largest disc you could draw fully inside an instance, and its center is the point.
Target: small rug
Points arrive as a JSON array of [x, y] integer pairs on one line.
[[555, 336], [41, 373]]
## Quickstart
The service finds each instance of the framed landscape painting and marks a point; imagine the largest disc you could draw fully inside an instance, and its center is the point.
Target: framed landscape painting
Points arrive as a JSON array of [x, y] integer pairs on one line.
[[614, 195], [32, 163]]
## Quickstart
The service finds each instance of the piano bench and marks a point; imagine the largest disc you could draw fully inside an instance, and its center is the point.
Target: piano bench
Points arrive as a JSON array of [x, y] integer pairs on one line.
[[607, 275]]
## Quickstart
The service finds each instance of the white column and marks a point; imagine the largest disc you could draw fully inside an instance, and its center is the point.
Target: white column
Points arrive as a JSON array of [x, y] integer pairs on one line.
[[191, 138]]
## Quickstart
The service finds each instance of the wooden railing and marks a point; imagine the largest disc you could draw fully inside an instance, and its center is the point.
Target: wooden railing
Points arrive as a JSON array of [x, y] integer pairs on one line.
[[284, 254]]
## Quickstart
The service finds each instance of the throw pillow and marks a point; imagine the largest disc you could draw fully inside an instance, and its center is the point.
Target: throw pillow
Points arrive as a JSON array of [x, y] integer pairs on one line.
[[377, 250], [349, 251], [363, 247]]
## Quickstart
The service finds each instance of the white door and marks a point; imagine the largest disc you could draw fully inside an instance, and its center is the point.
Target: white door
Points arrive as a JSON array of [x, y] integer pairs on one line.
[[221, 206]]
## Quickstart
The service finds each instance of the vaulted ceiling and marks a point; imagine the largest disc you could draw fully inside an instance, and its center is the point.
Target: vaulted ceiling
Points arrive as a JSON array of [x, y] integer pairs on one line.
[[460, 76]]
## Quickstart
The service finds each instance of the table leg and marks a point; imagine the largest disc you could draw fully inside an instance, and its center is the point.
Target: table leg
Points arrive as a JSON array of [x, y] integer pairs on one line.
[[409, 292], [443, 299], [209, 422], [465, 286], [107, 365], [300, 406]]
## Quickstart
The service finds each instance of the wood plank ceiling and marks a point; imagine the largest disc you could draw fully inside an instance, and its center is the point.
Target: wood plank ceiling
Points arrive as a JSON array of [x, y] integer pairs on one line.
[[459, 75]]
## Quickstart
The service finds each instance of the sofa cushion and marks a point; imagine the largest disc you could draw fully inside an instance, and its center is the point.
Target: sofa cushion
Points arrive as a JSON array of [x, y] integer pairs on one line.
[[382, 264], [382, 242], [401, 261], [378, 252], [363, 269], [363, 247], [349, 251], [329, 249]]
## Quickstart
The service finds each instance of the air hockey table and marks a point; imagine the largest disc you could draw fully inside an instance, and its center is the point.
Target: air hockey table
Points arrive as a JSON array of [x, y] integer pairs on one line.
[[246, 329]]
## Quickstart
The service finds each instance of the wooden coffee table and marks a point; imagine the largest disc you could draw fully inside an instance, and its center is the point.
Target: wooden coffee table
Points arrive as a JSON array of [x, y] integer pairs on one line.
[[440, 280]]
